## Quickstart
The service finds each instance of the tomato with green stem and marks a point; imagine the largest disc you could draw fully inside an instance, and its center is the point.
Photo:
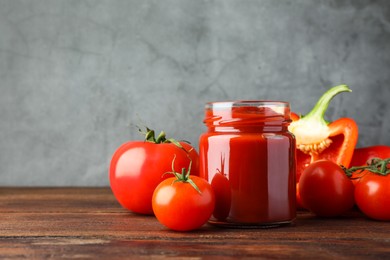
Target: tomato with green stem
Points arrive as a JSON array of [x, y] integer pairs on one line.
[[137, 166], [183, 202], [222, 190], [372, 188], [325, 189]]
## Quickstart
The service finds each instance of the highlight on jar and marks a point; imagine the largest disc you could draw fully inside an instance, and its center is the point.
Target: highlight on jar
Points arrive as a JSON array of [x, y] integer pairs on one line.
[[247, 155]]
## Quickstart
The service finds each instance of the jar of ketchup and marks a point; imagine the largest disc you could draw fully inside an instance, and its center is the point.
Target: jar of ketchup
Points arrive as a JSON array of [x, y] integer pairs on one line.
[[248, 157]]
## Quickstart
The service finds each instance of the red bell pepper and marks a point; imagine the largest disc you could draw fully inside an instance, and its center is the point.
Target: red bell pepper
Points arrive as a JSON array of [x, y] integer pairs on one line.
[[318, 139], [363, 156]]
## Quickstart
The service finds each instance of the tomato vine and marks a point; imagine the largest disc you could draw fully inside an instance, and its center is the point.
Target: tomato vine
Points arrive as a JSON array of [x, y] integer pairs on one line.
[[376, 165]]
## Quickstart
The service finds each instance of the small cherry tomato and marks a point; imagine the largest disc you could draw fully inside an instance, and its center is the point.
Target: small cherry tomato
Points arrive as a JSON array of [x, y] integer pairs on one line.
[[222, 191], [372, 195], [183, 203], [372, 188], [298, 198], [223, 196], [325, 189]]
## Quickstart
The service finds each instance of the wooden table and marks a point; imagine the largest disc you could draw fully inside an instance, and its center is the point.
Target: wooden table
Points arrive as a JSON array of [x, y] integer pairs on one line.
[[40, 223]]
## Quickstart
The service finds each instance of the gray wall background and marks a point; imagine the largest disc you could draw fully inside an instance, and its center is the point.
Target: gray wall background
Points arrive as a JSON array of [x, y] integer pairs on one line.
[[75, 74]]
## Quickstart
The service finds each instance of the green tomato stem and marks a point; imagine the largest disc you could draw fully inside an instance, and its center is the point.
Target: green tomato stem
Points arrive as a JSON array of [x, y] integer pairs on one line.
[[377, 166], [161, 138], [184, 177]]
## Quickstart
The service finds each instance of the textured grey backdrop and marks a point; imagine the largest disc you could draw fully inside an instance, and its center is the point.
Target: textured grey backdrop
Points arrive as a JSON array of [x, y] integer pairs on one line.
[[74, 74]]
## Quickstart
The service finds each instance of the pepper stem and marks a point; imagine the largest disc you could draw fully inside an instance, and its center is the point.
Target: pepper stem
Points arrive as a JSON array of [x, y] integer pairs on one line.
[[318, 111]]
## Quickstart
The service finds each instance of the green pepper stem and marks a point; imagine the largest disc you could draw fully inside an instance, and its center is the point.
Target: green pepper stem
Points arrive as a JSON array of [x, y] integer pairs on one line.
[[318, 111]]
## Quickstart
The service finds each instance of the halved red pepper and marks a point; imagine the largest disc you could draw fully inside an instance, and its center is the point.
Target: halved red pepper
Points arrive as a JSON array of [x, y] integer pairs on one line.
[[318, 139]]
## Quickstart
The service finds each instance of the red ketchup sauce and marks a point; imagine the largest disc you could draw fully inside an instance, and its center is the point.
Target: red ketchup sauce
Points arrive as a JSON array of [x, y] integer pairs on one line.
[[248, 156]]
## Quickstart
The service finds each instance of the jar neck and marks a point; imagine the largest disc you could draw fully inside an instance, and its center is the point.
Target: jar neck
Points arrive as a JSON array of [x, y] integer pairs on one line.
[[253, 129], [247, 116]]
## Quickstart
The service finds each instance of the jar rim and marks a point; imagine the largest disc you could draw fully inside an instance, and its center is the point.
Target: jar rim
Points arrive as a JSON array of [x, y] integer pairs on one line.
[[246, 103]]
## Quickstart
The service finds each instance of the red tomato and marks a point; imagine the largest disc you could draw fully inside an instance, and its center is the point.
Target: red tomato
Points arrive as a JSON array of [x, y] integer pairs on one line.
[[298, 198], [137, 167], [304, 160], [372, 195], [179, 206], [223, 196], [325, 189]]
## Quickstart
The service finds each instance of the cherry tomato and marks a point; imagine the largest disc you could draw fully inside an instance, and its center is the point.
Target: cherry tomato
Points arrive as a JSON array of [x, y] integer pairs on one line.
[[304, 160], [298, 198], [181, 207], [223, 196], [372, 195], [325, 189], [137, 168]]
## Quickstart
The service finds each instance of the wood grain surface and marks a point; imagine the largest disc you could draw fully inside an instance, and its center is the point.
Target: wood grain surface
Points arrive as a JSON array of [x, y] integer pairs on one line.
[[88, 223]]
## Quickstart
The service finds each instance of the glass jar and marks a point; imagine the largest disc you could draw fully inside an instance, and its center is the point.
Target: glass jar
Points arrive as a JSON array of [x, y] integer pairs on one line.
[[248, 157]]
